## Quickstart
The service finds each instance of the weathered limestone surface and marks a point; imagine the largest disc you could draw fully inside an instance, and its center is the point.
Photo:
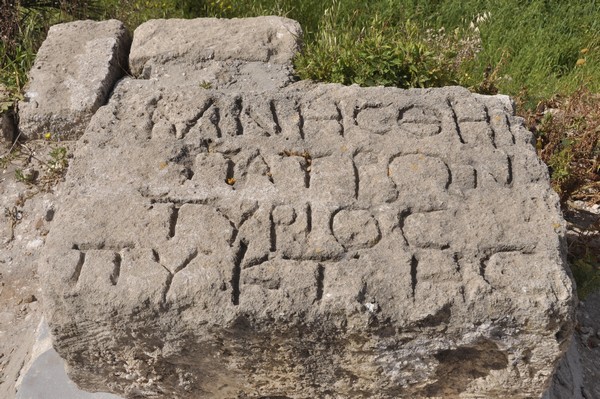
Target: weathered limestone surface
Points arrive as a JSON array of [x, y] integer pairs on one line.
[[73, 74], [313, 241], [248, 54]]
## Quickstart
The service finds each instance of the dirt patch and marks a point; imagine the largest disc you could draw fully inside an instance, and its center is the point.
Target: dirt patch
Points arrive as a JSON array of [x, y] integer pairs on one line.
[[26, 212]]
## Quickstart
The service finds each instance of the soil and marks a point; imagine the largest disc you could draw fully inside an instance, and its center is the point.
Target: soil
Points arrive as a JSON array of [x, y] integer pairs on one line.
[[26, 213]]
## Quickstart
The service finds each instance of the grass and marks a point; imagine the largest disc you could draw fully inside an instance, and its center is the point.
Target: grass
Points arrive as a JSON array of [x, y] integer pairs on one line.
[[544, 53]]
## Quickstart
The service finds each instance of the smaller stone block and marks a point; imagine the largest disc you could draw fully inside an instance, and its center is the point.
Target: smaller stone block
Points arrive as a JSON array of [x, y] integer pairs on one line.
[[250, 53], [73, 74]]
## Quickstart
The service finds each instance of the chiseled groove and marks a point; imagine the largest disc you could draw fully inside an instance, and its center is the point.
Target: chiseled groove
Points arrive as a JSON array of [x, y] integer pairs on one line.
[[340, 119], [306, 169], [456, 124], [308, 218], [173, 221], [331, 218], [482, 266], [229, 174], [275, 118], [523, 249], [216, 119], [187, 261], [97, 246], [401, 220], [194, 120], [179, 202], [356, 180], [236, 273], [300, 122], [456, 257], [238, 107], [114, 276], [248, 215], [320, 281], [77, 273], [269, 174], [167, 286], [449, 182], [273, 233], [414, 263], [257, 261], [509, 178]]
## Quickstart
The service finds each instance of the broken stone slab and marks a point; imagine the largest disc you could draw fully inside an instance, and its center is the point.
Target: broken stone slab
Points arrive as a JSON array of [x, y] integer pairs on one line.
[[249, 54], [73, 74], [315, 241]]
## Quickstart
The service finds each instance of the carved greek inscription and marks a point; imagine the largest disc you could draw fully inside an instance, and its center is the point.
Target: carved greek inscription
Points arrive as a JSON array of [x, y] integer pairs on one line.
[[415, 120], [271, 184], [356, 229]]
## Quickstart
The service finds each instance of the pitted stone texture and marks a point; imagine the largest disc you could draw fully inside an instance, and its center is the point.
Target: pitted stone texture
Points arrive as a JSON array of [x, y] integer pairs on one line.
[[318, 241], [249, 54], [73, 74]]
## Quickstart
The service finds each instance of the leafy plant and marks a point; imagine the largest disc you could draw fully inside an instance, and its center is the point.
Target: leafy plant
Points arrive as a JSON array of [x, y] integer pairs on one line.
[[372, 52], [586, 271], [567, 130], [22, 177], [58, 160]]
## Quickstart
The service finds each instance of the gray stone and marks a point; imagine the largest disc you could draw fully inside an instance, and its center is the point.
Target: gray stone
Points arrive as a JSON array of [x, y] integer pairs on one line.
[[44, 375], [314, 241], [73, 74], [248, 54]]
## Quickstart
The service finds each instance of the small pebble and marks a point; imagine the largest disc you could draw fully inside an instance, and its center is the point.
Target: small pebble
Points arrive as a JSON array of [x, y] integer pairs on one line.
[[35, 244], [29, 299], [49, 215]]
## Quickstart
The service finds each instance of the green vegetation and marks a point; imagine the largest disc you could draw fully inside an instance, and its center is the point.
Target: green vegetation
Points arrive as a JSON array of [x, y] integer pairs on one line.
[[585, 271], [531, 49], [544, 53]]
